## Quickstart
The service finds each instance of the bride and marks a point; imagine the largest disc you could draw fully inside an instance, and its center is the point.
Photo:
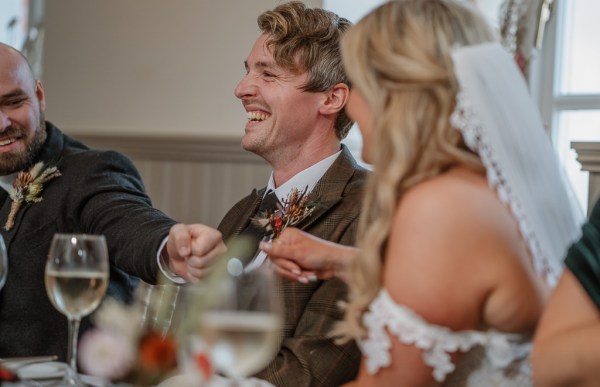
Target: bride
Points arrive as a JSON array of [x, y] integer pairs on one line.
[[465, 220]]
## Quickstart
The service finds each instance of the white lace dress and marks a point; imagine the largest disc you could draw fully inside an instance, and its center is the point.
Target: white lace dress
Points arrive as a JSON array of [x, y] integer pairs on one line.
[[490, 358]]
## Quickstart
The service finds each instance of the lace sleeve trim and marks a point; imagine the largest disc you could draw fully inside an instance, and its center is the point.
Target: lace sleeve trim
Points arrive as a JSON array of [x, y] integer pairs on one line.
[[437, 342]]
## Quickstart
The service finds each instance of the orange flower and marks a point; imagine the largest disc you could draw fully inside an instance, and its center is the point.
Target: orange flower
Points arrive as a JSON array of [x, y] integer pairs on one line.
[[157, 352], [292, 211], [204, 365], [7, 376]]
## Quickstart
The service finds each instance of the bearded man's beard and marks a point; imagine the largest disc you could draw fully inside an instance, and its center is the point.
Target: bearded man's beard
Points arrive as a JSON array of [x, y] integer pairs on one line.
[[15, 162]]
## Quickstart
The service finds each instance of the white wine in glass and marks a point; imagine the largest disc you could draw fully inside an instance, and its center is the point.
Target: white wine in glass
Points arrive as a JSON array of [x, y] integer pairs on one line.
[[3, 263], [242, 342], [76, 281], [239, 326]]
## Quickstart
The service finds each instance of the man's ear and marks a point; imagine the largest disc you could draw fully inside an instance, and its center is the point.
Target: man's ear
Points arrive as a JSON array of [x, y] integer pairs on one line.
[[39, 93], [335, 99]]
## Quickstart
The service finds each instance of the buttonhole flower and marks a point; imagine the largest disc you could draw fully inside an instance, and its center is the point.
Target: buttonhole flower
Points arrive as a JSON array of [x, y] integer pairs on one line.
[[28, 187], [292, 211]]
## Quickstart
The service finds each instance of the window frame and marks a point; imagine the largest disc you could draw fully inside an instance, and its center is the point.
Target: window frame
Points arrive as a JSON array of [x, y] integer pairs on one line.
[[545, 81]]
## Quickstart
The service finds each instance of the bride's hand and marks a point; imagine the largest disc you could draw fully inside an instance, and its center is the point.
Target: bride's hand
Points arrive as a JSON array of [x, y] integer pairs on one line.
[[302, 257]]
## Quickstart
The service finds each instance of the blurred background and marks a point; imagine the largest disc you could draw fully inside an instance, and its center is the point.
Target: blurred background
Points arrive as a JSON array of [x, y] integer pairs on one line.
[[155, 79]]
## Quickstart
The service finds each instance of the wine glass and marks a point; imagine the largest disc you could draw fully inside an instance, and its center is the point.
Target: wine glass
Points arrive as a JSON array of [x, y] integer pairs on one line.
[[3, 263], [238, 330], [156, 304], [76, 281]]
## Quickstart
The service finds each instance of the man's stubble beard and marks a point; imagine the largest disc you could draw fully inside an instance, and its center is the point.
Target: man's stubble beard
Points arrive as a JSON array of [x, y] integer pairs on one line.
[[252, 144], [12, 163], [262, 143]]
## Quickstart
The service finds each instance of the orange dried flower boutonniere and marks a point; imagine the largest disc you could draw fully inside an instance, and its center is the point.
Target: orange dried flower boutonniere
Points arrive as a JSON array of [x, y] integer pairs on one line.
[[292, 211], [28, 187]]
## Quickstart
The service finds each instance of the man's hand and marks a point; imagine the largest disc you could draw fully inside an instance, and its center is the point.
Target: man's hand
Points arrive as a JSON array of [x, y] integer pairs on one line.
[[191, 250]]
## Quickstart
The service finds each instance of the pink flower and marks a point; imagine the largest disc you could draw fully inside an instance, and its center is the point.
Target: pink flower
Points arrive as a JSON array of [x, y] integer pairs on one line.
[[106, 354]]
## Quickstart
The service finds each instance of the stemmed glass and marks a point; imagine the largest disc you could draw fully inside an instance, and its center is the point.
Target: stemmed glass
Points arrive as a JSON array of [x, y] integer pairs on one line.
[[76, 281], [3, 263], [239, 326]]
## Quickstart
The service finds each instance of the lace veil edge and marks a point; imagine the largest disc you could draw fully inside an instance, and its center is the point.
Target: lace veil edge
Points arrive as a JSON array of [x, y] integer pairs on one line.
[[500, 122]]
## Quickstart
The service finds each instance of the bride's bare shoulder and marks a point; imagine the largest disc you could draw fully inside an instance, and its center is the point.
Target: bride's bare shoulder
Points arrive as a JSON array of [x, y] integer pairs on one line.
[[453, 217], [440, 227], [459, 191]]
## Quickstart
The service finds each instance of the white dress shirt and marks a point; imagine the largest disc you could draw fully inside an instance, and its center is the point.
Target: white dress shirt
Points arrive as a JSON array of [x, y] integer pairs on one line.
[[306, 178], [7, 181]]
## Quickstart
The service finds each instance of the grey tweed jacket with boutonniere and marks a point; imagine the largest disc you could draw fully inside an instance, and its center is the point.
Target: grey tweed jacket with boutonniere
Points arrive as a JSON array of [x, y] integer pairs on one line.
[[93, 192], [308, 357]]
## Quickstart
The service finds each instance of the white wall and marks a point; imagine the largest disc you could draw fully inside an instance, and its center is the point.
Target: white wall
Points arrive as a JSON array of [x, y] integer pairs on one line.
[[148, 66]]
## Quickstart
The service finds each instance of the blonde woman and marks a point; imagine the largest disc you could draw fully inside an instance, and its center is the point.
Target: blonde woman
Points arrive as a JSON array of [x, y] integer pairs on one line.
[[457, 252]]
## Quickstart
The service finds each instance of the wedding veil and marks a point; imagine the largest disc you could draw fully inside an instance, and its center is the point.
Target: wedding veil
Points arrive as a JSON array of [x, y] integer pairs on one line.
[[500, 122]]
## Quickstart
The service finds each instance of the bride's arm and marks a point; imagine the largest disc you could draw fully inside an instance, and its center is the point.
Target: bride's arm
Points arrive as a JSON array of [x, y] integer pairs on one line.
[[300, 256]]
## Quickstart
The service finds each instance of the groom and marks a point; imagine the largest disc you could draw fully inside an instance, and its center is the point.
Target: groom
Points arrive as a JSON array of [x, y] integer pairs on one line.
[[294, 94]]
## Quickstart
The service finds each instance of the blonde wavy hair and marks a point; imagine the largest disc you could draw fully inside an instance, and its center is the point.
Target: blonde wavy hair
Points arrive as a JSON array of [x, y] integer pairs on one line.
[[399, 58]]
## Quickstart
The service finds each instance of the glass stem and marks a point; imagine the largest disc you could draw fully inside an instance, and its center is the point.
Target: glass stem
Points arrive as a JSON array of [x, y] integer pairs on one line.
[[73, 336]]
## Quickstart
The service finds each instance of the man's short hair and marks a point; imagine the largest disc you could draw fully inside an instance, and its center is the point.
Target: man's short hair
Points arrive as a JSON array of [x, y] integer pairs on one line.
[[308, 39]]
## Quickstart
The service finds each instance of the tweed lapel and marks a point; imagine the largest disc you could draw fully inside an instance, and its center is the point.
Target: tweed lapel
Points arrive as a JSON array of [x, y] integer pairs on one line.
[[10, 234], [248, 211], [3, 197], [327, 193], [5, 203], [329, 189]]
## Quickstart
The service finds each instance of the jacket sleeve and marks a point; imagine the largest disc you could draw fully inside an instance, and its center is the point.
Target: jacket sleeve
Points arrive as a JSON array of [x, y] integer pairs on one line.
[[110, 199]]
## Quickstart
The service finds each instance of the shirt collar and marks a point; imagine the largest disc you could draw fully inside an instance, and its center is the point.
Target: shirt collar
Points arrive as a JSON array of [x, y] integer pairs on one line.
[[305, 178], [7, 181]]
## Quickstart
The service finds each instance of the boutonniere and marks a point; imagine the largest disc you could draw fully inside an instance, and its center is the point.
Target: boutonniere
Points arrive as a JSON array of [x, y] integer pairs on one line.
[[292, 211], [28, 187]]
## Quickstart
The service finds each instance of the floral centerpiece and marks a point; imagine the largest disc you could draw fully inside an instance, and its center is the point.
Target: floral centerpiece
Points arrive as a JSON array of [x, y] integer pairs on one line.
[[127, 344], [147, 342]]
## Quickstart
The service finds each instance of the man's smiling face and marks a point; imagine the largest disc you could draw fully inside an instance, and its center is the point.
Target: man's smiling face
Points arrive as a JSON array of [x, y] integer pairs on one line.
[[280, 113], [22, 127]]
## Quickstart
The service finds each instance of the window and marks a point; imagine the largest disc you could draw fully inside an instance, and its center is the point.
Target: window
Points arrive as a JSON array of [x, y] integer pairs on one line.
[[14, 22], [21, 26], [569, 83]]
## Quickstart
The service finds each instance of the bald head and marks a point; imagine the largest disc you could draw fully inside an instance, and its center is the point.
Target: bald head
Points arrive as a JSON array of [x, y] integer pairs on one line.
[[4, 46], [12, 59]]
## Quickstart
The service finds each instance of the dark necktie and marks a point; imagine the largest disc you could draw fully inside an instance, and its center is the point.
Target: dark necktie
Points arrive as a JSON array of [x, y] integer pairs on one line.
[[254, 231]]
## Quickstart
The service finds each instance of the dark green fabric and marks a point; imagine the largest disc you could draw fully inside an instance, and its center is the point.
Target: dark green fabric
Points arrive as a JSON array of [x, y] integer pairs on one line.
[[583, 258]]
